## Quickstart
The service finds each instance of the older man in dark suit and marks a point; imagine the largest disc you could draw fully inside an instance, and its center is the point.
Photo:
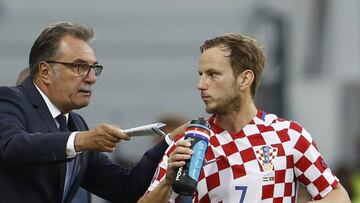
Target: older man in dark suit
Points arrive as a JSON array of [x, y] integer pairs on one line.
[[47, 151]]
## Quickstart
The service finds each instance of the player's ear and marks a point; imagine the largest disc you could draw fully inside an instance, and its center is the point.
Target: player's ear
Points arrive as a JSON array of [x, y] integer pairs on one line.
[[245, 79]]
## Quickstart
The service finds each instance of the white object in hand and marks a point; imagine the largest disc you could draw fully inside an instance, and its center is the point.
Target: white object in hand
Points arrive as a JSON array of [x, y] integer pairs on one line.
[[146, 130]]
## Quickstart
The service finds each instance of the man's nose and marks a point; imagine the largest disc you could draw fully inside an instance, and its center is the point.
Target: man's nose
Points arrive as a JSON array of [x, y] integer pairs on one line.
[[202, 84], [90, 77]]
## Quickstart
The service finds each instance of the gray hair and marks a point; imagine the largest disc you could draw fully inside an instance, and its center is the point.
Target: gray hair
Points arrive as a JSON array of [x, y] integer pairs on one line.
[[47, 44]]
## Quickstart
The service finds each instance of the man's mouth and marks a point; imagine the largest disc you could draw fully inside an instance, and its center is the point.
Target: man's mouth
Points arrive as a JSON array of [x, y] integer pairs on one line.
[[86, 91], [205, 97]]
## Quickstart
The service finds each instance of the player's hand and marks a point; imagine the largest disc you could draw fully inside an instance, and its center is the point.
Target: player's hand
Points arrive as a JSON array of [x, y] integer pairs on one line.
[[177, 159], [103, 138]]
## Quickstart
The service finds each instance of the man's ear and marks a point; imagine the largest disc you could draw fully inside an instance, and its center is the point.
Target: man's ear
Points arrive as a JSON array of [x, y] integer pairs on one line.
[[45, 73], [245, 79]]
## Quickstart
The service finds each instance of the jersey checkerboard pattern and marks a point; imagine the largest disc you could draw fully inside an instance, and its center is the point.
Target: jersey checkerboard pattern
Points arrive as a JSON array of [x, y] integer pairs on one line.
[[261, 163]]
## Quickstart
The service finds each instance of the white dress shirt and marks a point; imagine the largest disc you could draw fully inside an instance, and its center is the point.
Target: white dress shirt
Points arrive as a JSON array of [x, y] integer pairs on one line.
[[70, 148]]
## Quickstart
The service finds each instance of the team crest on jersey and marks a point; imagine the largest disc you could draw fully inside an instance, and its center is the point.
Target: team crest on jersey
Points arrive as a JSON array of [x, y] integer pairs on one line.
[[265, 155]]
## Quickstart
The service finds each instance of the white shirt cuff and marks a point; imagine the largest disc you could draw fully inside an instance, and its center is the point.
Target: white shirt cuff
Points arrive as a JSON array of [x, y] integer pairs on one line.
[[70, 146], [168, 140]]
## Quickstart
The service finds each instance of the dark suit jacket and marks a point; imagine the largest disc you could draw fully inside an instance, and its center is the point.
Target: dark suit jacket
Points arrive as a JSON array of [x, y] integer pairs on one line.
[[33, 159]]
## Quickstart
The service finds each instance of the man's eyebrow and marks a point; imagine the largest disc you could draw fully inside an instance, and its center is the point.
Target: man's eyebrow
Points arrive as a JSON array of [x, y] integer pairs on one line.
[[83, 61], [212, 70]]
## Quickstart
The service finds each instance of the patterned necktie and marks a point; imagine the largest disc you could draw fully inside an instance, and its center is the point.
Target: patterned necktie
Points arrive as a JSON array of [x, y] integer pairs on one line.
[[70, 165]]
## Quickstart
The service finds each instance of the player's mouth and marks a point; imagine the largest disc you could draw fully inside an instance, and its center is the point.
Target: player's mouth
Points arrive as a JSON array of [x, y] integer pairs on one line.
[[205, 97]]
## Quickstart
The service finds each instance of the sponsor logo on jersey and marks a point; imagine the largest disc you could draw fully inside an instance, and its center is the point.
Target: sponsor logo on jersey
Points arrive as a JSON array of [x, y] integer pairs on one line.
[[269, 177]]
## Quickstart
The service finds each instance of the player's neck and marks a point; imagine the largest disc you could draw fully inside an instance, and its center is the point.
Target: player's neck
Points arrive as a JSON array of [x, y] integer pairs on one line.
[[235, 121]]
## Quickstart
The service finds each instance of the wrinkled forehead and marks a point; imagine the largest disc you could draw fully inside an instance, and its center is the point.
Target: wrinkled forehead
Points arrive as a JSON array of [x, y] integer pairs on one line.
[[72, 49]]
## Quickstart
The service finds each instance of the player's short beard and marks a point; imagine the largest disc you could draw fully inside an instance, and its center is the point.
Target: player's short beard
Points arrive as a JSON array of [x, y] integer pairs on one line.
[[226, 104]]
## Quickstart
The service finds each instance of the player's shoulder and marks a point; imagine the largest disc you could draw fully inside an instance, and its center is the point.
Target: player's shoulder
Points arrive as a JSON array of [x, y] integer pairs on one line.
[[279, 123]]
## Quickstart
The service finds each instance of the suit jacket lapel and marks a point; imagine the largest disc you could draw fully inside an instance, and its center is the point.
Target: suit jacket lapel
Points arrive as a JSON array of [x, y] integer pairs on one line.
[[73, 126], [39, 104]]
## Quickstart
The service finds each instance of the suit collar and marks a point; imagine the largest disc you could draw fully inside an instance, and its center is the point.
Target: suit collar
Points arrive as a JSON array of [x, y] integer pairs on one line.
[[52, 108], [34, 95], [39, 104], [72, 122]]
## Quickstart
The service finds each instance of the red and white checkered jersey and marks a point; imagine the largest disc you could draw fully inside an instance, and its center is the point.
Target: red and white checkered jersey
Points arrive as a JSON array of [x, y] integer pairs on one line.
[[261, 163]]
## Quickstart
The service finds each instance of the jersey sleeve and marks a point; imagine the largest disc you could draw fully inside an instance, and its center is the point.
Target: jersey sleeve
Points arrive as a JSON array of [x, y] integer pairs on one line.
[[160, 172], [309, 165], [161, 169]]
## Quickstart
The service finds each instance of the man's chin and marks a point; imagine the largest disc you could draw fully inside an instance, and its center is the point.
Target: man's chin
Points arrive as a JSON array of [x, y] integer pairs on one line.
[[209, 110], [81, 105], [216, 110]]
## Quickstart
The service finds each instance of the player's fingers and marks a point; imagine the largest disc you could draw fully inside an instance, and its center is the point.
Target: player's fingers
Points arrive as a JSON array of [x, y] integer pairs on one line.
[[183, 150], [175, 165], [180, 157], [183, 143]]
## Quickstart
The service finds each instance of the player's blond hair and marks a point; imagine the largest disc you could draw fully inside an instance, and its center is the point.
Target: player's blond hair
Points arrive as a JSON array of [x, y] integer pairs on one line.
[[245, 53]]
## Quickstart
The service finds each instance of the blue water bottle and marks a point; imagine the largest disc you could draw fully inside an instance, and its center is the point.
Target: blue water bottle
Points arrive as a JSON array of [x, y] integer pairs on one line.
[[198, 133]]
